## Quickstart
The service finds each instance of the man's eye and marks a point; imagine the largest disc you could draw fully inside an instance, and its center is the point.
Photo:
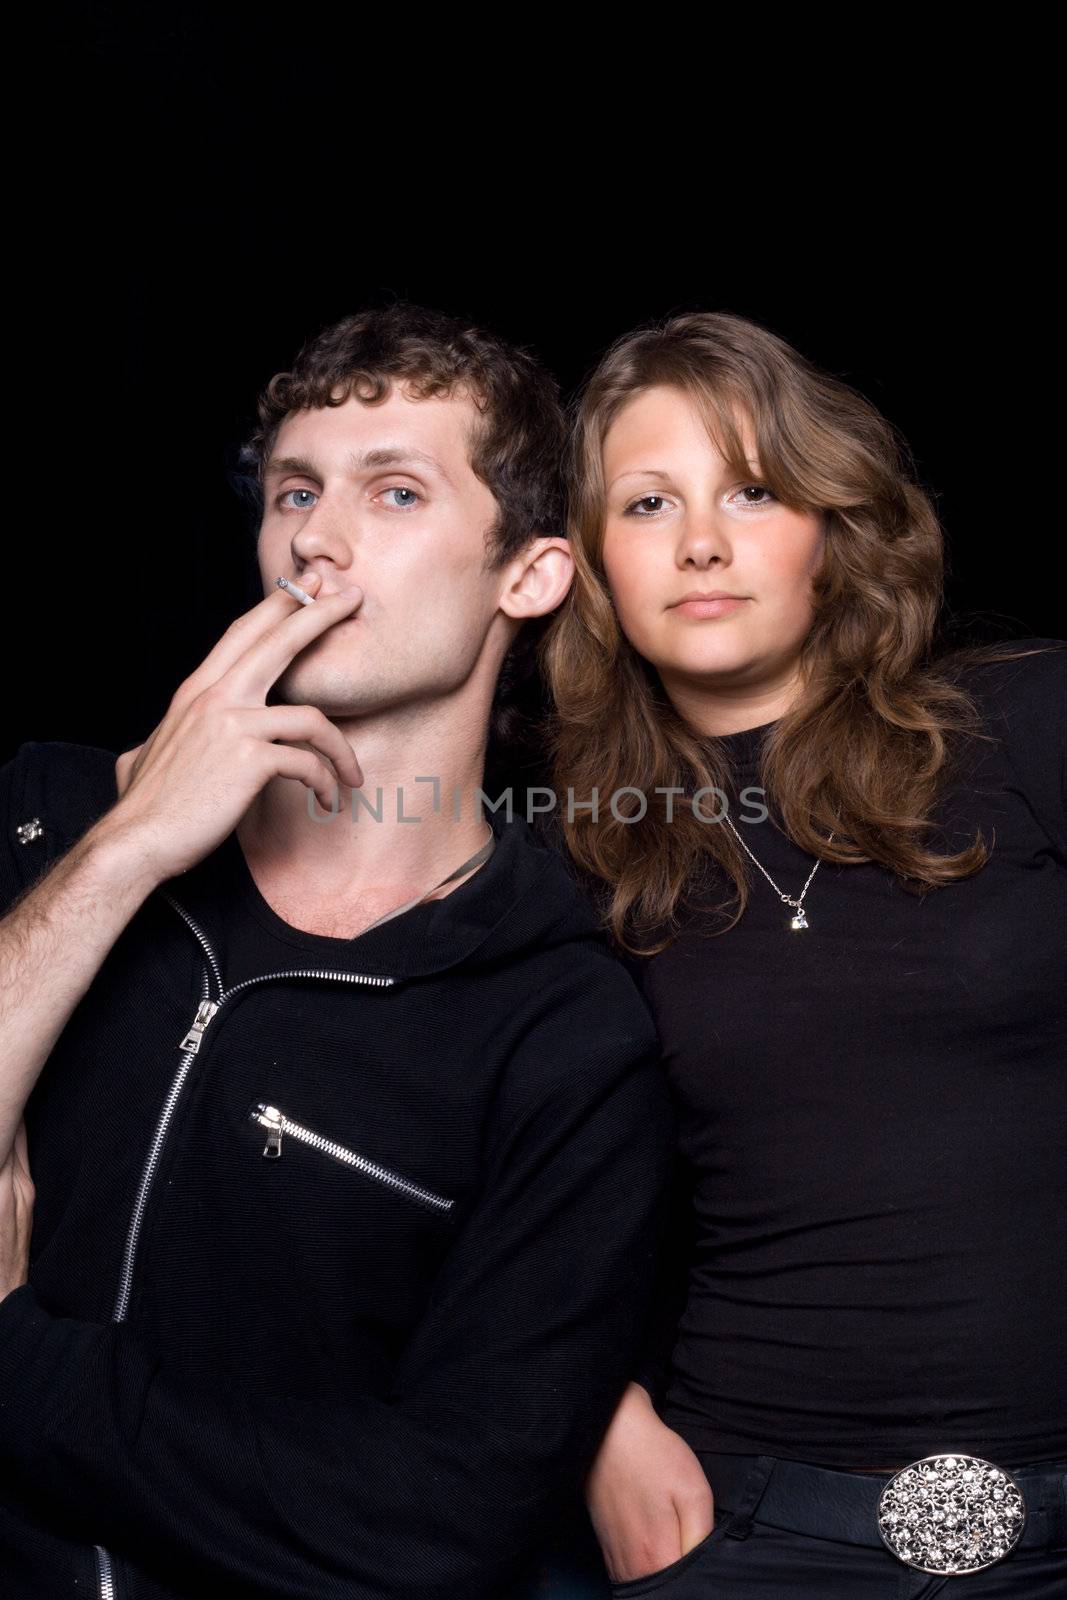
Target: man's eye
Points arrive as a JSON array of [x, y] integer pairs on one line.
[[399, 488], [283, 497], [303, 498]]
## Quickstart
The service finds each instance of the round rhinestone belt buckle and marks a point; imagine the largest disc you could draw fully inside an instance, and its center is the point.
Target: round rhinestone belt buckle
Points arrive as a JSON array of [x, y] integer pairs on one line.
[[951, 1514]]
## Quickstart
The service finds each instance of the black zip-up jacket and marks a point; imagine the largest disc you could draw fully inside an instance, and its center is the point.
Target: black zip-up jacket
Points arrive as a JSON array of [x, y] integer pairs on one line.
[[339, 1266]]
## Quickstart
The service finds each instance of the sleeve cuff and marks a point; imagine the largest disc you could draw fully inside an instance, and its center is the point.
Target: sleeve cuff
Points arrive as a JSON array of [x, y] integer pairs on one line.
[[44, 1363]]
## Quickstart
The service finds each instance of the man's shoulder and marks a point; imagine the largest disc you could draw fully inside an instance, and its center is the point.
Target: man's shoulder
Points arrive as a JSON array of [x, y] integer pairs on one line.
[[587, 1034], [63, 786], [574, 963], [51, 792]]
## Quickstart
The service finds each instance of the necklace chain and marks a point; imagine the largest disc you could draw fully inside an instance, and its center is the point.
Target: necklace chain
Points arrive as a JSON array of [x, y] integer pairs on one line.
[[800, 920], [476, 859]]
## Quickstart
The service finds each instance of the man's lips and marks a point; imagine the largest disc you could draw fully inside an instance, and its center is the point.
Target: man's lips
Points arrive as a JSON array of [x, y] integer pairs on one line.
[[353, 617]]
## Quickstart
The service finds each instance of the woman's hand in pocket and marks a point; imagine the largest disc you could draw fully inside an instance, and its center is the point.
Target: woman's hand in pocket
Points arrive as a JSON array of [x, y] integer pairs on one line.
[[649, 1500]]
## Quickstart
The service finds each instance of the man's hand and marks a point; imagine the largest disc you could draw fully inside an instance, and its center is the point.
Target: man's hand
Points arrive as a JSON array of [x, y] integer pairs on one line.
[[192, 780], [649, 1499], [16, 1215]]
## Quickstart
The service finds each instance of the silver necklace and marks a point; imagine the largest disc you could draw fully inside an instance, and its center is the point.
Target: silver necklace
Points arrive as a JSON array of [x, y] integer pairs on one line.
[[472, 861], [798, 920]]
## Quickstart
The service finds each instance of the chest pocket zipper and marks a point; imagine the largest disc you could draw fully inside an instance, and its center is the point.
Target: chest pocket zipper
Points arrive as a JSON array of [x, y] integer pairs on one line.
[[278, 1125]]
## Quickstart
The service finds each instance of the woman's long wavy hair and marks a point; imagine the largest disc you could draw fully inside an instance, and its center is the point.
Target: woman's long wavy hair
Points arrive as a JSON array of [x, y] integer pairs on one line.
[[870, 743]]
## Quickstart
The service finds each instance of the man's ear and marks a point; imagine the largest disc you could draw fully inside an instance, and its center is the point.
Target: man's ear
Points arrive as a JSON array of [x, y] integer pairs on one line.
[[537, 581]]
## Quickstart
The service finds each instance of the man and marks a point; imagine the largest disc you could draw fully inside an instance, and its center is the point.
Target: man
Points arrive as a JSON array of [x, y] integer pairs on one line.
[[347, 1132]]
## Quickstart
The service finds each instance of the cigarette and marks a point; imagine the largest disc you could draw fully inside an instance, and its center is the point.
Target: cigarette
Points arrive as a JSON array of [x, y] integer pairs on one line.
[[296, 591]]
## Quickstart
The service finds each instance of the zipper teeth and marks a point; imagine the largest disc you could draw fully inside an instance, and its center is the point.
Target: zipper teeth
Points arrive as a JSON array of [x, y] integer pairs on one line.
[[106, 1576], [202, 938], [311, 972], [339, 1152], [133, 1233], [301, 972]]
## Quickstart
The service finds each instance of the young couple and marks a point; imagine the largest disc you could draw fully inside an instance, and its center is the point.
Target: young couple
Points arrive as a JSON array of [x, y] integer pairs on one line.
[[400, 1200]]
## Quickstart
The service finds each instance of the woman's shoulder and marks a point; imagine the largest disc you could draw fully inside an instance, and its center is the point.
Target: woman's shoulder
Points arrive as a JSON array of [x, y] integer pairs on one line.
[[1021, 690], [1021, 674], [1021, 687]]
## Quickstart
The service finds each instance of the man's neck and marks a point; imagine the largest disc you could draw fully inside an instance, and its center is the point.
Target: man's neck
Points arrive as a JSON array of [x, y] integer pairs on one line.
[[391, 839]]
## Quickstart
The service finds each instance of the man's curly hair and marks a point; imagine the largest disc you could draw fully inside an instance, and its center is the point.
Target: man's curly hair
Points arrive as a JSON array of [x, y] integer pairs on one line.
[[516, 450]]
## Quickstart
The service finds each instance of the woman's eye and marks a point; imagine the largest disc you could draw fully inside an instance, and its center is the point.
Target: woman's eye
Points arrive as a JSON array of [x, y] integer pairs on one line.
[[753, 494], [282, 498], [756, 489], [632, 511]]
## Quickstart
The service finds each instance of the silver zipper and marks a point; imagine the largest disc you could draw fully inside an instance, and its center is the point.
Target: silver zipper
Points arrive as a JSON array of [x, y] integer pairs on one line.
[[277, 1124], [204, 1013], [189, 1046], [190, 1043], [106, 1576]]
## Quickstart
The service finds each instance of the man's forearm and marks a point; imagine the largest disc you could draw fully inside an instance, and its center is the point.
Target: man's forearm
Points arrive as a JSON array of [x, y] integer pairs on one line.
[[53, 942]]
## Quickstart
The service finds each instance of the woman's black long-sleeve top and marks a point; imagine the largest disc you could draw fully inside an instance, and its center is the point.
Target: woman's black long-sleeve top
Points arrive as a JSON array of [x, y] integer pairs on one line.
[[872, 1221]]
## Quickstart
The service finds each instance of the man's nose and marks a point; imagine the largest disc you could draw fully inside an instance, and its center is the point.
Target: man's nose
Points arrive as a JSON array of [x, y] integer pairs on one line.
[[324, 537]]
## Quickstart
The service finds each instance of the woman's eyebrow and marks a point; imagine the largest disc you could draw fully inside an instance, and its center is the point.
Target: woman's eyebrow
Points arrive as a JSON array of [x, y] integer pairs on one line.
[[657, 472], [639, 472]]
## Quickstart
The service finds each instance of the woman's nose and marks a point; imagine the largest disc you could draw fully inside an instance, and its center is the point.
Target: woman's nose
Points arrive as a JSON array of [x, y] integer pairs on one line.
[[703, 540]]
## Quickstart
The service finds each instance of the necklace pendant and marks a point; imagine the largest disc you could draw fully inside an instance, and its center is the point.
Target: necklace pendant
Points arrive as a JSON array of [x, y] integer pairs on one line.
[[799, 921]]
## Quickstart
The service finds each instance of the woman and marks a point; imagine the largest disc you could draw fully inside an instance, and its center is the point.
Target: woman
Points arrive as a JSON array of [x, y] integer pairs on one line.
[[837, 857]]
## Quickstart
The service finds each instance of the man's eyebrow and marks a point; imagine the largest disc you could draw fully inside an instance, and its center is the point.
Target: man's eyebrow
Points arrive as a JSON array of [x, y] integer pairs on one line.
[[359, 461], [396, 456], [280, 466]]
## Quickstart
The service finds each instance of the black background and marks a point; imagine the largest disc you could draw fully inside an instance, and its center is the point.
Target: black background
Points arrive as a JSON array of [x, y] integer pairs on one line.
[[204, 203]]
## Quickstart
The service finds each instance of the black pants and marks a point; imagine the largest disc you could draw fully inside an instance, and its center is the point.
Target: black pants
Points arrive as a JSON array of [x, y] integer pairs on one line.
[[751, 1555]]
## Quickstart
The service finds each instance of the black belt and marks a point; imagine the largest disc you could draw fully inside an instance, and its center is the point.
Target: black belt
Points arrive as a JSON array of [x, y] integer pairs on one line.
[[825, 1503]]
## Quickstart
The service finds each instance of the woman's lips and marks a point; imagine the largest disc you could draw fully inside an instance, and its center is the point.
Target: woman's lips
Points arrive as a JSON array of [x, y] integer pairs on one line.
[[710, 608]]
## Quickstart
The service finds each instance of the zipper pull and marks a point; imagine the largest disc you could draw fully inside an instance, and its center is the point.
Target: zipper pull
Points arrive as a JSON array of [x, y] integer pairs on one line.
[[204, 1013], [270, 1117]]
